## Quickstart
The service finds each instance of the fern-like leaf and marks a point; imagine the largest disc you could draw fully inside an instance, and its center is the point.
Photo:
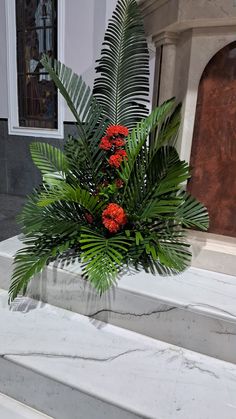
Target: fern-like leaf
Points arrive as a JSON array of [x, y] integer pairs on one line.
[[64, 192], [192, 213], [47, 158], [102, 257], [122, 86], [87, 111]]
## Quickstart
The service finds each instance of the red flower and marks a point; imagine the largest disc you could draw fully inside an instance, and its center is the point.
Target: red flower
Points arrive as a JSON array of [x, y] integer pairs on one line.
[[105, 143], [119, 183], [117, 130], [121, 153], [89, 217], [119, 142], [114, 217], [115, 160]]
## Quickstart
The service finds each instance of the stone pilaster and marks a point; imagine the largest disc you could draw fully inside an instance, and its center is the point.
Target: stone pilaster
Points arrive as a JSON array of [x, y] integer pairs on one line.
[[165, 66]]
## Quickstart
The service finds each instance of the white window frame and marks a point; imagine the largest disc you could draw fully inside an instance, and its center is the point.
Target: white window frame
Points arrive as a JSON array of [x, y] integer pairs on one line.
[[13, 112]]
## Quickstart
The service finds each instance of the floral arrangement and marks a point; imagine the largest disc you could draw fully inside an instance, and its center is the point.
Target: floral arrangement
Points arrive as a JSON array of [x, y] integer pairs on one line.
[[114, 197]]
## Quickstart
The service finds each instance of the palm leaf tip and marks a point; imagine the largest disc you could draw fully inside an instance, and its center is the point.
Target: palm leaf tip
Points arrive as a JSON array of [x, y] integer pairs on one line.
[[122, 87]]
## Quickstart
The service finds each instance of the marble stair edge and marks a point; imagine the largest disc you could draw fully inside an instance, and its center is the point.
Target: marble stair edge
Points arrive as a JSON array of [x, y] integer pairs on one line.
[[69, 366], [194, 311], [12, 409], [213, 252]]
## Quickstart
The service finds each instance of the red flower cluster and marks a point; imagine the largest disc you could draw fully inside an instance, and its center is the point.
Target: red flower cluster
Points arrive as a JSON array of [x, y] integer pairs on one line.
[[115, 130], [106, 143], [114, 217], [113, 141], [119, 142], [117, 158]]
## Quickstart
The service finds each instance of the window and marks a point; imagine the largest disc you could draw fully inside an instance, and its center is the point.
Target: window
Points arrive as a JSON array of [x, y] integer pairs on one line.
[[34, 29]]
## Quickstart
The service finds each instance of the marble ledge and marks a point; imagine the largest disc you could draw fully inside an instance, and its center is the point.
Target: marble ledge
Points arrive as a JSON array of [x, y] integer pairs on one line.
[[196, 290], [69, 366], [12, 409], [195, 310]]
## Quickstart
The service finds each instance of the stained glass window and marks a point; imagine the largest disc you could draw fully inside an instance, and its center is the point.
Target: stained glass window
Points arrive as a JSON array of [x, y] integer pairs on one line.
[[36, 24]]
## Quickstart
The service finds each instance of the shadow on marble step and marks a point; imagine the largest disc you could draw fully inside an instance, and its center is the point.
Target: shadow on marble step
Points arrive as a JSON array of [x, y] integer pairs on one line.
[[70, 368], [196, 311], [53, 396]]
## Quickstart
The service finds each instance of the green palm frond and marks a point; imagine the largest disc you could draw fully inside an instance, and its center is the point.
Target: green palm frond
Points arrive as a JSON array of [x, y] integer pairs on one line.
[[52, 219], [27, 264], [30, 261], [122, 87], [87, 111], [152, 170], [174, 255], [47, 158], [161, 250], [102, 257], [30, 218], [155, 208], [146, 204], [192, 213], [64, 192], [138, 138]]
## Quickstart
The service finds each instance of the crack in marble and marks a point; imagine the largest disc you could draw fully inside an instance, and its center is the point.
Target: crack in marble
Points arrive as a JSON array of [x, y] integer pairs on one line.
[[224, 333], [193, 365], [68, 356], [122, 313], [225, 282]]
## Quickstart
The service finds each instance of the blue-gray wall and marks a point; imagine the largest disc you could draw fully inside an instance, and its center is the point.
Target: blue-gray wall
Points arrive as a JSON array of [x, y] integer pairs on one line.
[[18, 175]]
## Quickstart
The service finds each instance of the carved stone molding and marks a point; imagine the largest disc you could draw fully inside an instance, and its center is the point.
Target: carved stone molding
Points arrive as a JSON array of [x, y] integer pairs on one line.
[[148, 6], [165, 38]]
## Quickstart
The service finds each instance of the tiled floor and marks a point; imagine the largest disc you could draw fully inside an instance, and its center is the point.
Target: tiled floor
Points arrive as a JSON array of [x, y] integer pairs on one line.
[[10, 206]]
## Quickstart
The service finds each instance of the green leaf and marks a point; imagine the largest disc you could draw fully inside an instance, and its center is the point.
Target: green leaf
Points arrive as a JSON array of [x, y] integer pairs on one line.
[[174, 255], [122, 87], [88, 113], [102, 257], [192, 213], [48, 159], [139, 137], [67, 193], [30, 261]]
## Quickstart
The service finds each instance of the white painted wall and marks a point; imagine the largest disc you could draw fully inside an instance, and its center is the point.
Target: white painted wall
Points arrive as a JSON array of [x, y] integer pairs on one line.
[[3, 63]]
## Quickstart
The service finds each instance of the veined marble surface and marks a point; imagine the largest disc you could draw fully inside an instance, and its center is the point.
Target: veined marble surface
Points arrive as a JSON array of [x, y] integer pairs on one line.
[[195, 310], [195, 289], [82, 368], [12, 409]]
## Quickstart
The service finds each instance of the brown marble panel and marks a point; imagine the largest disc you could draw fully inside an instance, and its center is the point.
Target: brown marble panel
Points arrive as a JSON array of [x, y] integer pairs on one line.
[[213, 156]]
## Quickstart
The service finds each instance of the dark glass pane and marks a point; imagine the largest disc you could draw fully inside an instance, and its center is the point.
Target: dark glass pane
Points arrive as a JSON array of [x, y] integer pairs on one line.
[[20, 15], [36, 35]]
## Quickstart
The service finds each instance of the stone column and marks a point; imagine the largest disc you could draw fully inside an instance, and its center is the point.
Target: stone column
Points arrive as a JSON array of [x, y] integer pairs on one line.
[[165, 66]]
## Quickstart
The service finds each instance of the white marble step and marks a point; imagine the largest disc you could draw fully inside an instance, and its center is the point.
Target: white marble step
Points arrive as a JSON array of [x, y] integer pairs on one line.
[[72, 367], [195, 310], [12, 409]]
